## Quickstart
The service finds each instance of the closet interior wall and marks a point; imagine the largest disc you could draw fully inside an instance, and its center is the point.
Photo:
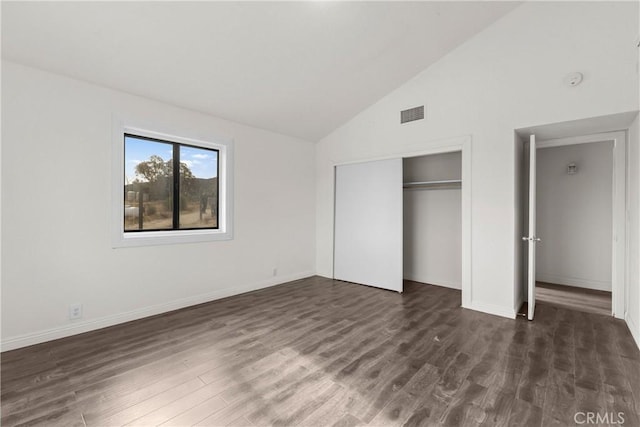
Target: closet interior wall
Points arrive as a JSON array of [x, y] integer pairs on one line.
[[432, 240]]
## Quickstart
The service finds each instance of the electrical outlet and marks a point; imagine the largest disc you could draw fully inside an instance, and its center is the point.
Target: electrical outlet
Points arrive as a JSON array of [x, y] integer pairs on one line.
[[75, 311], [275, 271]]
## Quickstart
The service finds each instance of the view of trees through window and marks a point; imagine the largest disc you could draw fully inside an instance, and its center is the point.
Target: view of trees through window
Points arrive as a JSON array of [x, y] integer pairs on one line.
[[154, 171]]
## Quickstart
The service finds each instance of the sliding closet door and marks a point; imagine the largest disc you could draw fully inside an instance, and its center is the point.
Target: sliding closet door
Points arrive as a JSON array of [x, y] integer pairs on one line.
[[368, 224]]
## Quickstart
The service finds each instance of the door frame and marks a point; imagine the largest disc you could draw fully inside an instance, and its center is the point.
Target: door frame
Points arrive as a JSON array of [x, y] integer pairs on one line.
[[619, 208], [448, 145], [531, 237]]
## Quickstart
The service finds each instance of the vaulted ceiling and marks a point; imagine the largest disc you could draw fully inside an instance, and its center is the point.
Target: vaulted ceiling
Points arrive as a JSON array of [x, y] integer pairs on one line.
[[298, 68]]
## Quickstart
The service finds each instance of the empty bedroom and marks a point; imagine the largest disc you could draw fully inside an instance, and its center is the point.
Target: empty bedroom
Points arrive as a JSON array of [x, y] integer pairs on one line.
[[320, 213]]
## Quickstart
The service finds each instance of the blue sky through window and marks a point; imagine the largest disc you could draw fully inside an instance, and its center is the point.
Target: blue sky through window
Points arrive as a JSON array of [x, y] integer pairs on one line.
[[202, 162]]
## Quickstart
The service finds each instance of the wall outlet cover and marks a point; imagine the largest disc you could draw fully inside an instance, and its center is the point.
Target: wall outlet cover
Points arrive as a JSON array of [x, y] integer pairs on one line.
[[75, 311]]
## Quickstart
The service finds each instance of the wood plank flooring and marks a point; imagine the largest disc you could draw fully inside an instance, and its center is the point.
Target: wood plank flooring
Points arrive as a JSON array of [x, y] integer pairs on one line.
[[318, 352], [589, 300]]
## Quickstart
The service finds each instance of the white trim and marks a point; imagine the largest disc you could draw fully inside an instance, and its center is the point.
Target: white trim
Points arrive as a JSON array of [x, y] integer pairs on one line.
[[496, 310], [467, 288], [446, 145], [619, 249], [532, 239], [225, 149], [619, 286], [583, 139], [103, 322], [579, 282], [633, 328]]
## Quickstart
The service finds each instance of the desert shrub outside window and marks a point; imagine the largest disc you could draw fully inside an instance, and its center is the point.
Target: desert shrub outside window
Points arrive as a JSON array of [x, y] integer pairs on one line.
[[155, 172]]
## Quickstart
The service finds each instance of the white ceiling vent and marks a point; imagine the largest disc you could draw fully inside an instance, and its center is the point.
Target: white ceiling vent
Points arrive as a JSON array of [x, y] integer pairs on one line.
[[412, 114]]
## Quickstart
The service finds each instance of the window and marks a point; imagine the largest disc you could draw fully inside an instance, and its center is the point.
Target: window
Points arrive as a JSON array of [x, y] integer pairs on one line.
[[171, 189], [155, 171]]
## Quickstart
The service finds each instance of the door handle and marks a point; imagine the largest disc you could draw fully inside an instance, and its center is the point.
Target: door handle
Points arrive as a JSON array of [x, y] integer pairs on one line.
[[531, 239]]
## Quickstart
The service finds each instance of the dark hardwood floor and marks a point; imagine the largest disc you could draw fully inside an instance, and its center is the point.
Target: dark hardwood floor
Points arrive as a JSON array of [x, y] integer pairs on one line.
[[318, 352], [571, 297]]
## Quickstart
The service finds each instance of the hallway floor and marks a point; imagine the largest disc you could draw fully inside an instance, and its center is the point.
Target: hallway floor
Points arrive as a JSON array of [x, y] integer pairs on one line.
[[586, 300]]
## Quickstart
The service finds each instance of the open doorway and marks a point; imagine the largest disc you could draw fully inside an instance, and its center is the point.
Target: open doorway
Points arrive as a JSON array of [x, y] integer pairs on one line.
[[575, 216], [578, 222]]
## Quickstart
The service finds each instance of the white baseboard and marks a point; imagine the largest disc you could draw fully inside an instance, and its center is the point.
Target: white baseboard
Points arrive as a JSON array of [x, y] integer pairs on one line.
[[91, 325], [633, 328], [598, 285], [443, 283], [496, 310]]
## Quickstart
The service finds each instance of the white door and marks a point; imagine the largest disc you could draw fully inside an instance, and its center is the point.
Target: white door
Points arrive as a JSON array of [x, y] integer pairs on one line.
[[531, 238], [368, 224]]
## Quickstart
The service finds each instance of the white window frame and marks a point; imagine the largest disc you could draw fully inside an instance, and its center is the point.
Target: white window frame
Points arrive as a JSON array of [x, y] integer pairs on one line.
[[224, 231]]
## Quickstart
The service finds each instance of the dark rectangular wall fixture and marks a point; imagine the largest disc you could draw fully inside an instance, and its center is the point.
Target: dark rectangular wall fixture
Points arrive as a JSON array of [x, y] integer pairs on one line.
[[412, 114]]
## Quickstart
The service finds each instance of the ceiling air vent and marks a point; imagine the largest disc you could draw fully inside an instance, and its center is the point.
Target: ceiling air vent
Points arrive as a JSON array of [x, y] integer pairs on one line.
[[412, 114]]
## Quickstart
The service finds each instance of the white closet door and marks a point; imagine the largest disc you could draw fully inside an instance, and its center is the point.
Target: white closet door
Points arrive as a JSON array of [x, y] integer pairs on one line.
[[368, 224]]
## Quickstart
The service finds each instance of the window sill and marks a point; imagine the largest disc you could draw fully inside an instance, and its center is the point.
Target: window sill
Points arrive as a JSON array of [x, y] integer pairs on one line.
[[154, 238]]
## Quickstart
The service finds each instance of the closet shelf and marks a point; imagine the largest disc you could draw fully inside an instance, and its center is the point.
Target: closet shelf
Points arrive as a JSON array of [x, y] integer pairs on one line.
[[445, 183]]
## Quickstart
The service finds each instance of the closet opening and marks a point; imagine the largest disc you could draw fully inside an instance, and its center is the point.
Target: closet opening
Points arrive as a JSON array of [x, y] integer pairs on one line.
[[406, 217], [432, 219]]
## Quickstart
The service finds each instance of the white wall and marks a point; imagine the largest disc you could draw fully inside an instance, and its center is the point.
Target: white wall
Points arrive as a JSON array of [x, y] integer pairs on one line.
[[507, 77], [574, 215], [56, 176], [433, 221], [632, 315]]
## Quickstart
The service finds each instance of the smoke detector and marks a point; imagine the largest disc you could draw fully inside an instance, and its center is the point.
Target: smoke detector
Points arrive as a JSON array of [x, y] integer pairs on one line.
[[573, 79]]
